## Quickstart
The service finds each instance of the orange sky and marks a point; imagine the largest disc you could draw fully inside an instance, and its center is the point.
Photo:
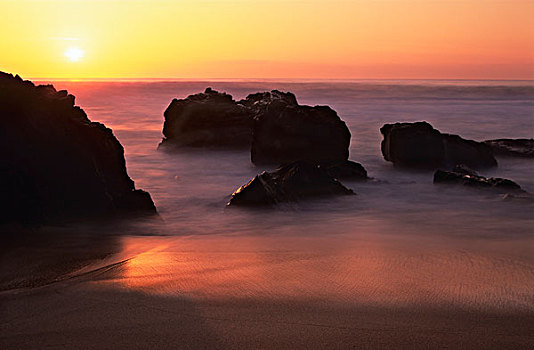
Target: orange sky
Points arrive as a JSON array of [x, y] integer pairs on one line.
[[314, 39]]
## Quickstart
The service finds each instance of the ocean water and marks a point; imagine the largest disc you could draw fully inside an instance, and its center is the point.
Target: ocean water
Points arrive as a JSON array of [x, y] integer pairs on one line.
[[190, 188], [401, 239]]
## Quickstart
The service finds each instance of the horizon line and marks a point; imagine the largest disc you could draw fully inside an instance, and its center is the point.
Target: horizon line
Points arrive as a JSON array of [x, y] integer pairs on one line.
[[174, 79]]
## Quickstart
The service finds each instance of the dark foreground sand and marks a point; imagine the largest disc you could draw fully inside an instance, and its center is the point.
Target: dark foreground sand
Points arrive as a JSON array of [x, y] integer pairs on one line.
[[91, 318], [267, 293]]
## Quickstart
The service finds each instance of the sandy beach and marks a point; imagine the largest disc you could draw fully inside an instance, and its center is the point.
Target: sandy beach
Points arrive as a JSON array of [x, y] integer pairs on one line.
[[269, 292]]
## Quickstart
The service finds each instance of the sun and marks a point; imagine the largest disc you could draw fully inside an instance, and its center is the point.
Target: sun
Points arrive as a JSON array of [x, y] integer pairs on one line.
[[74, 54]]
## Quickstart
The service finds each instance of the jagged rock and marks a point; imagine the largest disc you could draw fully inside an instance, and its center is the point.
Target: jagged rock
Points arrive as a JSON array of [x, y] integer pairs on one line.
[[463, 176], [347, 170], [419, 145], [291, 182], [512, 147], [55, 164], [209, 119], [464, 170], [259, 101], [275, 127]]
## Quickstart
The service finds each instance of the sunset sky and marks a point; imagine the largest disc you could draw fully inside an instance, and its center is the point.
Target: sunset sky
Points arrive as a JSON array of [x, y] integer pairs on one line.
[[314, 39]]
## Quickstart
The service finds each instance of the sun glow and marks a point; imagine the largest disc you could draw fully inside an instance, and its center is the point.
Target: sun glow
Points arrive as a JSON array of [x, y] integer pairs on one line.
[[363, 39], [74, 54]]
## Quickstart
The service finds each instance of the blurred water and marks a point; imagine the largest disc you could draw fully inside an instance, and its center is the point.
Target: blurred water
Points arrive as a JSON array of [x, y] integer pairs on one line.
[[190, 188]]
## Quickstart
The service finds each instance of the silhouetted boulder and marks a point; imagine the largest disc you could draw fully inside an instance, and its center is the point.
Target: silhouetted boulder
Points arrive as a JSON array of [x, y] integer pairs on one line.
[[512, 147], [291, 182], [461, 175], [347, 170], [419, 145], [55, 164], [275, 127], [209, 119], [284, 131]]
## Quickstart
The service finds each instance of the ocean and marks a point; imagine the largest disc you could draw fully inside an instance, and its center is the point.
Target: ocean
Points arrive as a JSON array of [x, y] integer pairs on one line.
[[191, 187]]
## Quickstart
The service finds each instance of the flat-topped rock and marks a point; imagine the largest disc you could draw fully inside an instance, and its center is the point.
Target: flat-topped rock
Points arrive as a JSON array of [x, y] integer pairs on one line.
[[292, 182], [55, 164], [523, 148], [419, 145]]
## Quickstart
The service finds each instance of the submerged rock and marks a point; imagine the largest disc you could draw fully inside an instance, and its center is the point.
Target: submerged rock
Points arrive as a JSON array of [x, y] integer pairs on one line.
[[273, 124], [521, 197], [291, 182], [209, 119], [512, 147], [419, 145], [461, 175], [55, 164]]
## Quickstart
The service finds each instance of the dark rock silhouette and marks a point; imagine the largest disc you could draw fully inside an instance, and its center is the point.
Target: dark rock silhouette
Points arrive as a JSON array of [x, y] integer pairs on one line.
[[261, 100], [291, 182], [347, 170], [419, 145], [462, 175], [285, 131], [55, 164], [209, 119], [512, 147], [275, 127]]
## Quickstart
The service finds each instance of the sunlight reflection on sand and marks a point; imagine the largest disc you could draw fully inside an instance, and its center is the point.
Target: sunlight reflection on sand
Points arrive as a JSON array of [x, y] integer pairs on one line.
[[333, 269]]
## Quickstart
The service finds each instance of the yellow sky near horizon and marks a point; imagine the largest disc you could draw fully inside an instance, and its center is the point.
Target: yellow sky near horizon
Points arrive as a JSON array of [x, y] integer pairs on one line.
[[314, 39]]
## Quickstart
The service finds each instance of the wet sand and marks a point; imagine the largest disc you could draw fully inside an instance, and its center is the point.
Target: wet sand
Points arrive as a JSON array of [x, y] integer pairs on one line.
[[269, 292]]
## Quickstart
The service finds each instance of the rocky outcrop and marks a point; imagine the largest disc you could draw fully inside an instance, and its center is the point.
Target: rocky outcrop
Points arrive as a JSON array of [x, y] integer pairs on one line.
[[462, 175], [523, 148], [284, 131], [55, 164], [272, 124], [419, 145], [209, 119], [291, 182]]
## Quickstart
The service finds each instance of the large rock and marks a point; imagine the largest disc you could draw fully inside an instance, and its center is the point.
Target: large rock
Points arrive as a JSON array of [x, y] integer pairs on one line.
[[276, 128], [209, 119], [419, 145], [512, 147], [461, 175], [55, 164], [291, 182], [285, 131]]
